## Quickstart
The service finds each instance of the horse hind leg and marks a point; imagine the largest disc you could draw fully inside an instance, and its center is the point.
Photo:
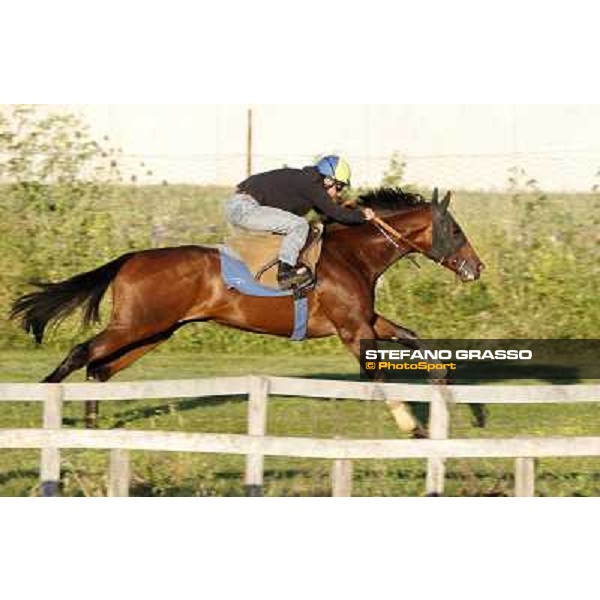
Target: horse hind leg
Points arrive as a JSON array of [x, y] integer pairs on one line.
[[76, 359], [101, 355], [95, 349], [102, 370]]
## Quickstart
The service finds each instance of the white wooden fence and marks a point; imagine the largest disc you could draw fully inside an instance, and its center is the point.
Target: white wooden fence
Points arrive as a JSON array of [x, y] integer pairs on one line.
[[256, 445]]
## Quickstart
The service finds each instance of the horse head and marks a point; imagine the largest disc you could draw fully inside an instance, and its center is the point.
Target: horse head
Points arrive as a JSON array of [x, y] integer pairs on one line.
[[449, 245], [426, 227]]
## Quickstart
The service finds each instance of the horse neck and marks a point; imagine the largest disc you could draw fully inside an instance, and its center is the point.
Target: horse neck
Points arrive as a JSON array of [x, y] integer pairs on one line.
[[367, 248]]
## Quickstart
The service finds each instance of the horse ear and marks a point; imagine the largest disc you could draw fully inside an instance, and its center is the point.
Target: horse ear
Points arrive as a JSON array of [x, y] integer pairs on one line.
[[446, 202], [436, 197]]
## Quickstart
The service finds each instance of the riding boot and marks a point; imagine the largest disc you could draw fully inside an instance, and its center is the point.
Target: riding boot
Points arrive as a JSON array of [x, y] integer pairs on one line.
[[290, 277], [306, 273]]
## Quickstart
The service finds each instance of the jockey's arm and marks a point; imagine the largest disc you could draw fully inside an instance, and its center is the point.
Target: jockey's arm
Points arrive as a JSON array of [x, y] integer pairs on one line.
[[348, 216]]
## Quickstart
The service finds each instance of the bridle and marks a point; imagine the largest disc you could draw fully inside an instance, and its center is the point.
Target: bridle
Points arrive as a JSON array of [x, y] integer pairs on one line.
[[390, 233]]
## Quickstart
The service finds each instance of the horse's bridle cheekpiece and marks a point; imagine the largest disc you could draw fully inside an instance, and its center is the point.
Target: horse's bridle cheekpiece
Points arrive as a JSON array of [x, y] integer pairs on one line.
[[444, 242]]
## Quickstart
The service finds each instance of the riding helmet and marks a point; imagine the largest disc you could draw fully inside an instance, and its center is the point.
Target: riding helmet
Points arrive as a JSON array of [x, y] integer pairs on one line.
[[336, 168]]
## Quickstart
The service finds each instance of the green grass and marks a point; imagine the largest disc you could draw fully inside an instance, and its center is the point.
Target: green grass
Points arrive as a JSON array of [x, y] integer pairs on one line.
[[166, 474]]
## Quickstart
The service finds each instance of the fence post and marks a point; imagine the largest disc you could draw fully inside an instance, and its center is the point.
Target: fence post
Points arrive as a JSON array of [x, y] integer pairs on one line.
[[119, 474], [439, 428], [50, 459], [524, 478], [341, 478], [257, 425]]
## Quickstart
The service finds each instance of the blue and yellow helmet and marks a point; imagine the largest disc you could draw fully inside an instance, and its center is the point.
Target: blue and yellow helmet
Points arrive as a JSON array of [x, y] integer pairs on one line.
[[335, 168]]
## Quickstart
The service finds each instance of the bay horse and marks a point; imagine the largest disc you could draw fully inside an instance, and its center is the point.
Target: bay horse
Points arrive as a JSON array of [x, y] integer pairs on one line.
[[155, 292]]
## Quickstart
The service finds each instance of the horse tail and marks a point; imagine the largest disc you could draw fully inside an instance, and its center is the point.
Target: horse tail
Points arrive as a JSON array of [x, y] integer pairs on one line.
[[56, 301]]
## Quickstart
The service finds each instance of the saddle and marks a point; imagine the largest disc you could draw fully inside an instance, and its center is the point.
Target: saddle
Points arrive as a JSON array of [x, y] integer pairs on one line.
[[260, 251]]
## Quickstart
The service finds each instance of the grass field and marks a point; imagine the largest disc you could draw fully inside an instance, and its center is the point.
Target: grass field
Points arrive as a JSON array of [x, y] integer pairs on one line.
[[166, 474]]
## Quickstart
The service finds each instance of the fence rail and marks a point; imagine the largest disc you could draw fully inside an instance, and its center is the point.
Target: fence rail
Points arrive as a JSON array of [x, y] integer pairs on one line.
[[257, 444], [222, 443], [308, 388]]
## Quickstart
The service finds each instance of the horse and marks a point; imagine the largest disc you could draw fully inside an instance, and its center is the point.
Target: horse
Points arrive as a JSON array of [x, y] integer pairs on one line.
[[155, 292]]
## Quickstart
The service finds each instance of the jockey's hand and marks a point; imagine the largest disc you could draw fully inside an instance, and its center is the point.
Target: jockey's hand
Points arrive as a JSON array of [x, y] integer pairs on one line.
[[369, 214]]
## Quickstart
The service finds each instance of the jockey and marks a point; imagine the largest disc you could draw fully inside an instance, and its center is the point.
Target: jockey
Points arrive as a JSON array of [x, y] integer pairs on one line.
[[278, 201]]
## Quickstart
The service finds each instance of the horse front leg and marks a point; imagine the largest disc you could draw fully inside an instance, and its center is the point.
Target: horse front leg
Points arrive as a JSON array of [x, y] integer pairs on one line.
[[352, 335], [403, 415], [388, 330]]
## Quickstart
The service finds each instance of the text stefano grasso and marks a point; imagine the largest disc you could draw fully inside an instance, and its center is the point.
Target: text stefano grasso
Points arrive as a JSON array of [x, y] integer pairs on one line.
[[449, 354]]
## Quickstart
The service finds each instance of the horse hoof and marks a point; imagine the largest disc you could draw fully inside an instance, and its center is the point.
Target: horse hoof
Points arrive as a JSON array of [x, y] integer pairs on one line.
[[420, 433]]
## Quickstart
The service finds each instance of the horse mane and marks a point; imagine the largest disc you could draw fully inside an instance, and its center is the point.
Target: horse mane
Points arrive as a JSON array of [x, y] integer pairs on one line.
[[385, 201], [389, 199]]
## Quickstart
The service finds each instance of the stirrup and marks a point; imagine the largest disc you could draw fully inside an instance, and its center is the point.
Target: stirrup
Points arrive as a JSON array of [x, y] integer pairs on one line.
[[308, 280], [294, 277]]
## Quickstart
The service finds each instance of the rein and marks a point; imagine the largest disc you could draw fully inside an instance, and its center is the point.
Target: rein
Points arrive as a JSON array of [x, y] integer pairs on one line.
[[390, 232]]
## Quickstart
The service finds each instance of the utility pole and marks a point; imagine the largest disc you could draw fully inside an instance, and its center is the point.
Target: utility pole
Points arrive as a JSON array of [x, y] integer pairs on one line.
[[249, 144]]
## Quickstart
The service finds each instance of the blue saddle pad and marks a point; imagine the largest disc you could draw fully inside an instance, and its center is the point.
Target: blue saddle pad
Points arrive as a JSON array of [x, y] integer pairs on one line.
[[237, 276]]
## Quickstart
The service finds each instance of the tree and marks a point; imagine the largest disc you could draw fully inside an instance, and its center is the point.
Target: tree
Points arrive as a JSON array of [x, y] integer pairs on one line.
[[394, 176], [55, 177]]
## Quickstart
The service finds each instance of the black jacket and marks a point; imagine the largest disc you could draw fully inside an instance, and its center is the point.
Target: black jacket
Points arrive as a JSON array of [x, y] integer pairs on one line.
[[298, 191]]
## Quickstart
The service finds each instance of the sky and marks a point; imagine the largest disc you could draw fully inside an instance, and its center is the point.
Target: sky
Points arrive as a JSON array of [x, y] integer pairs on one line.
[[459, 145]]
